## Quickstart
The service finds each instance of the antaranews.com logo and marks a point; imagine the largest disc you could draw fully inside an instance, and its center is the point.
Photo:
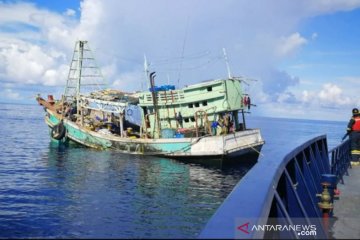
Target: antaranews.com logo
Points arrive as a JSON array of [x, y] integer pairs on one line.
[[245, 228]]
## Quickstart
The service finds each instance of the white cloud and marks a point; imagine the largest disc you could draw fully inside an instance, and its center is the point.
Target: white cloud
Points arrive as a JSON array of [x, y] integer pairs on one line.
[[121, 29], [257, 35], [29, 64], [329, 6], [307, 96], [22, 65], [27, 51], [288, 45], [130, 81], [332, 95], [351, 80], [314, 36], [287, 97], [93, 20], [55, 77], [70, 12], [11, 94], [330, 101]]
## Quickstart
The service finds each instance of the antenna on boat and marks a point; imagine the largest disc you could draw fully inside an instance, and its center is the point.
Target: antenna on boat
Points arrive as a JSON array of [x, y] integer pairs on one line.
[[227, 64], [182, 52], [146, 69], [168, 79]]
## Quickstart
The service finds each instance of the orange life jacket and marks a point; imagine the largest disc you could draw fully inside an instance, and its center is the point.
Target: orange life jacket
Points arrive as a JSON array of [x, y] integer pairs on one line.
[[356, 125]]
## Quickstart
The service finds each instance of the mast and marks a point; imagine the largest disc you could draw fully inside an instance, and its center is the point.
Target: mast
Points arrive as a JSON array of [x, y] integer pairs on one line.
[[73, 82], [79, 67], [146, 69], [84, 74], [227, 64]]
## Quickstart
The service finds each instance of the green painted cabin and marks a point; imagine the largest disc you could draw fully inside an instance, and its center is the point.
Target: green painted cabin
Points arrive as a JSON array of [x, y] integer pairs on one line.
[[199, 105]]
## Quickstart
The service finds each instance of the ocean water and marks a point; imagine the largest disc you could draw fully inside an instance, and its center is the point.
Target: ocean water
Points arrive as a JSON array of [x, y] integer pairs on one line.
[[283, 135], [53, 191]]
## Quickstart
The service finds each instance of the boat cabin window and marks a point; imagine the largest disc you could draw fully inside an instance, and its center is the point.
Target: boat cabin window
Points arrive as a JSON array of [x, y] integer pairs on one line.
[[204, 103], [192, 119], [209, 89], [186, 120], [197, 104], [191, 105]]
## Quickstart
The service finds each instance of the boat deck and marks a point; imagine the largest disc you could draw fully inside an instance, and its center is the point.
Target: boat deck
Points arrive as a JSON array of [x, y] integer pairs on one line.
[[347, 208]]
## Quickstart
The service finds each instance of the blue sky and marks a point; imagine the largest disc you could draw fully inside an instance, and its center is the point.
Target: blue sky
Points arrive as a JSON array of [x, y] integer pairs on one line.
[[336, 47], [305, 55], [59, 6]]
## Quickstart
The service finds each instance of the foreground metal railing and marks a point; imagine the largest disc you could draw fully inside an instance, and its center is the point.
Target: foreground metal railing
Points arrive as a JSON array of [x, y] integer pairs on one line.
[[340, 160], [283, 199]]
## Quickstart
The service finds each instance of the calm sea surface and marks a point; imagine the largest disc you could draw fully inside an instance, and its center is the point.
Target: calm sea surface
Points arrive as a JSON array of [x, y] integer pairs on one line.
[[53, 191]]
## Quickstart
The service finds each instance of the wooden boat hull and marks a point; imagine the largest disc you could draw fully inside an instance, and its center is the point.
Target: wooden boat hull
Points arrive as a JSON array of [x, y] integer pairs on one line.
[[224, 146]]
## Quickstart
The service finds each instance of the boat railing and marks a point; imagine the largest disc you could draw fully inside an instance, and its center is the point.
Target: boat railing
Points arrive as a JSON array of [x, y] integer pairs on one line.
[[340, 160], [281, 199], [204, 122], [166, 97]]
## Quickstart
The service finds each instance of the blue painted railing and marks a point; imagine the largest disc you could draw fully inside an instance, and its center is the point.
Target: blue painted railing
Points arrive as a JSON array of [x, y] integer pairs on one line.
[[280, 193], [340, 160]]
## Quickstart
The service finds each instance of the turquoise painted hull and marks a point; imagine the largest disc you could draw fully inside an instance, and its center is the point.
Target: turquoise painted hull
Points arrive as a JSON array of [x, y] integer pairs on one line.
[[213, 146], [135, 146]]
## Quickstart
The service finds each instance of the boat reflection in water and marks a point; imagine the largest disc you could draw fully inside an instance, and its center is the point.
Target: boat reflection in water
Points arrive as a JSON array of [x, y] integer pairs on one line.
[[110, 194]]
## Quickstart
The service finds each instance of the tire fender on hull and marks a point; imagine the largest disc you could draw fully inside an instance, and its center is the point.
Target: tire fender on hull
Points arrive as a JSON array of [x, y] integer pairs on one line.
[[58, 131]]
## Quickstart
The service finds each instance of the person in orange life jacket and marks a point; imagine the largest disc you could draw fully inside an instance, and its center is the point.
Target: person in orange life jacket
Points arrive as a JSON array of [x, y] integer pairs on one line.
[[353, 129]]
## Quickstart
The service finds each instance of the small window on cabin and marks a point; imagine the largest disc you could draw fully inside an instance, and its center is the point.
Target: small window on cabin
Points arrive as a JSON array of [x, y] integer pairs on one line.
[[192, 119], [209, 89], [186, 120], [191, 105], [197, 104], [204, 103]]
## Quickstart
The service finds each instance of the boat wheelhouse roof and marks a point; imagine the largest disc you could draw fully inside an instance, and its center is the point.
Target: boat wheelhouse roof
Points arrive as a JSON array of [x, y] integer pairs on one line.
[[225, 94], [205, 83]]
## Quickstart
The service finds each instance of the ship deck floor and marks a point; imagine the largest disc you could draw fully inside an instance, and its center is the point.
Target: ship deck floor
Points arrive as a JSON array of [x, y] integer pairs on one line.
[[347, 209]]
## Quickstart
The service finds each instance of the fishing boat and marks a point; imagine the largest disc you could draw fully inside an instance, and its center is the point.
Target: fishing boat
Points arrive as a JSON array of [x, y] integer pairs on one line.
[[204, 120]]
